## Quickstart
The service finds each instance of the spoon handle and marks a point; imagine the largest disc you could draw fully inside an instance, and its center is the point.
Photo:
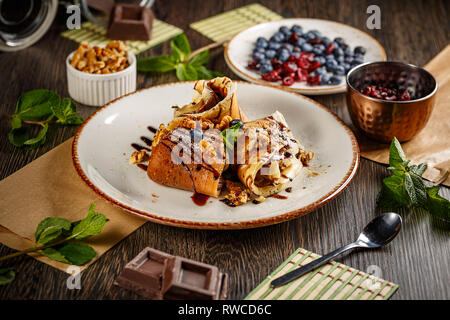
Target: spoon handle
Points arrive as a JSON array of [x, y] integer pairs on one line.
[[310, 266]]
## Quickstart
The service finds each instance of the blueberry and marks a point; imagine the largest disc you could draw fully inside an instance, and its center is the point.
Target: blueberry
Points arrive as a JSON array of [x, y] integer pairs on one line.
[[310, 35], [259, 49], [338, 52], [289, 47], [265, 68], [262, 42], [335, 80], [296, 54], [307, 47], [258, 56], [340, 59], [285, 30], [196, 135], [357, 61], [297, 29], [274, 45], [277, 37], [317, 51], [340, 71], [348, 52], [347, 67], [326, 41], [283, 55], [235, 122], [300, 41], [360, 50], [331, 65], [316, 33], [348, 59], [321, 71], [265, 61], [329, 57], [325, 79], [358, 55], [270, 54], [340, 41], [321, 60]]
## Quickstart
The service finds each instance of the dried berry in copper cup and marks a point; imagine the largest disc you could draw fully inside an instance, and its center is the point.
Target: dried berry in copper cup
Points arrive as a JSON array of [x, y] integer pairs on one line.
[[383, 120]]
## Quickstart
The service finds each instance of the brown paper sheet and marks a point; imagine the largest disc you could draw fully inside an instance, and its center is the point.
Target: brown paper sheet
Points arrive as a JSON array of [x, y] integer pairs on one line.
[[50, 187], [432, 144]]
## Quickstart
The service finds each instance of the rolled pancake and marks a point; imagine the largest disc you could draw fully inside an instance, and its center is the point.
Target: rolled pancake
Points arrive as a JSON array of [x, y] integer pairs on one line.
[[212, 100], [269, 156], [177, 162]]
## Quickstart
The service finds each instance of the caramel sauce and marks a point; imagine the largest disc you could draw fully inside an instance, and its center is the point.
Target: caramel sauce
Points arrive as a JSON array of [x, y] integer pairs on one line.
[[278, 196], [199, 199], [142, 166]]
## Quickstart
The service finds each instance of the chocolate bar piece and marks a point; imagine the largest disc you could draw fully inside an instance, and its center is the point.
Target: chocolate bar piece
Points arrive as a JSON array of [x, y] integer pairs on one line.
[[130, 22], [157, 275], [144, 273]]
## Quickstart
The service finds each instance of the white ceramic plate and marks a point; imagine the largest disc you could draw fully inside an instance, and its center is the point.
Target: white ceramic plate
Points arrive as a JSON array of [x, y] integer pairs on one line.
[[102, 147], [239, 50]]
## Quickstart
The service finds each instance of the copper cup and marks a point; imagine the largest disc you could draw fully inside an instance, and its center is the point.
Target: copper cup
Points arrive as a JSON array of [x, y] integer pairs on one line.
[[383, 120]]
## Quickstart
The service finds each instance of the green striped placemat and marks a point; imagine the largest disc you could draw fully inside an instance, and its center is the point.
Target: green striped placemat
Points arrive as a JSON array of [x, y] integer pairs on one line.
[[225, 25], [96, 35], [332, 281]]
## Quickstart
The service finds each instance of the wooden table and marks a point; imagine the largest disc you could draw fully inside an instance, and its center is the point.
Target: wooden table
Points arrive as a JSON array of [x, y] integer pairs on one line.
[[418, 260]]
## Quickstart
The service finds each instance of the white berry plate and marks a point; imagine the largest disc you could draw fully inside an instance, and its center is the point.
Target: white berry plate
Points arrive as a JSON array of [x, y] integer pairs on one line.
[[238, 52], [102, 147]]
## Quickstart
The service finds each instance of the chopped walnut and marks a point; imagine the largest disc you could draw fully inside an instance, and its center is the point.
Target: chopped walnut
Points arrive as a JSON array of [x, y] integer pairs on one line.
[[138, 157], [305, 156], [237, 194], [96, 60]]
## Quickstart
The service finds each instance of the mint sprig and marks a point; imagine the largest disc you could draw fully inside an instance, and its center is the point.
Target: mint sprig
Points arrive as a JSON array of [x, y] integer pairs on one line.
[[42, 108], [54, 239], [406, 188], [187, 65], [229, 135]]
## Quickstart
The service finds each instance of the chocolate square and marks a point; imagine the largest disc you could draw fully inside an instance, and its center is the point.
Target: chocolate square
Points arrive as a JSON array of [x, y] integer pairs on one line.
[[130, 22], [190, 280], [144, 273]]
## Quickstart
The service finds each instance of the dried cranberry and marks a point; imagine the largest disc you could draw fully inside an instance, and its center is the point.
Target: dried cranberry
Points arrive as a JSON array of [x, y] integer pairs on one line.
[[290, 66], [288, 81], [292, 59], [314, 80], [308, 55], [301, 75], [253, 65], [330, 48], [404, 96], [303, 63], [316, 41], [293, 38], [276, 64], [314, 66]]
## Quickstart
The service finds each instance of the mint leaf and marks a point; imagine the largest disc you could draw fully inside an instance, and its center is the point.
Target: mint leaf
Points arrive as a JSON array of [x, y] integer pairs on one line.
[[200, 59], [17, 137], [156, 64], [204, 73], [76, 253], [7, 275], [418, 169], [50, 229], [437, 205], [180, 47], [91, 225], [393, 193], [16, 122], [54, 254], [229, 135], [186, 72], [36, 104], [396, 155], [66, 112], [39, 137]]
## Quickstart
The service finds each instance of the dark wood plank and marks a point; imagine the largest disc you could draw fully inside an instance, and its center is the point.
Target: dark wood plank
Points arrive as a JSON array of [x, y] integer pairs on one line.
[[417, 260]]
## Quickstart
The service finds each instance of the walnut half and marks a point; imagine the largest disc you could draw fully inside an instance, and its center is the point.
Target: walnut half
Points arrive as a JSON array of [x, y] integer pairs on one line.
[[138, 157]]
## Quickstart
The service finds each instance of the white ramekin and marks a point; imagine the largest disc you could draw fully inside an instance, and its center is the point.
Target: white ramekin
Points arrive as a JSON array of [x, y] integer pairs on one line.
[[99, 89]]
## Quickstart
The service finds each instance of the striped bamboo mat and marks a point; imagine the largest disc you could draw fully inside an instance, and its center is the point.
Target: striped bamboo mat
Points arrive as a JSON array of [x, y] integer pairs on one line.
[[225, 25], [332, 281], [96, 35]]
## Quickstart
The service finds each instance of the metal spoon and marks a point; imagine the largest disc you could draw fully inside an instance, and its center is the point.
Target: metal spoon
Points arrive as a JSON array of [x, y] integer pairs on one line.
[[379, 232]]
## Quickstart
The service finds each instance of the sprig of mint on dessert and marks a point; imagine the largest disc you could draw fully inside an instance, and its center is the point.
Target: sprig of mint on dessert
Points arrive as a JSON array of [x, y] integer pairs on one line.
[[40, 108], [229, 135], [406, 188], [55, 239], [187, 65]]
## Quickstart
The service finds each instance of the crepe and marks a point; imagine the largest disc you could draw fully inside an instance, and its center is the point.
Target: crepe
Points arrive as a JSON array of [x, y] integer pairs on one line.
[[213, 100], [177, 161], [269, 157]]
